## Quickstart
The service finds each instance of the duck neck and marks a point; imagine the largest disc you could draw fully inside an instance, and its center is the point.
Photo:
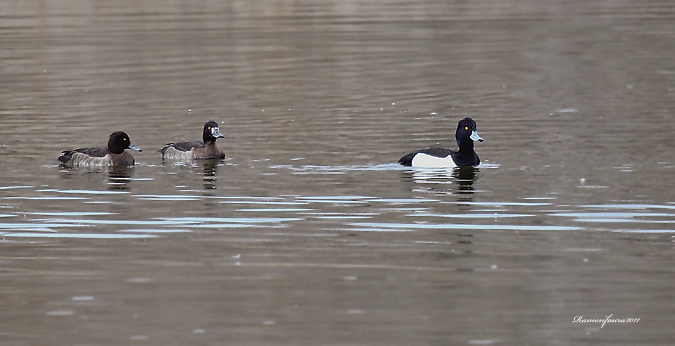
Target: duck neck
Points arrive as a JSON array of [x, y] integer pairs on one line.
[[115, 149], [466, 147], [209, 140]]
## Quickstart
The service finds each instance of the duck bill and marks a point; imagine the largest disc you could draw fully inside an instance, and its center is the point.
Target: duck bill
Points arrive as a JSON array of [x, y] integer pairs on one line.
[[475, 137], [133, 147], [215, 132]]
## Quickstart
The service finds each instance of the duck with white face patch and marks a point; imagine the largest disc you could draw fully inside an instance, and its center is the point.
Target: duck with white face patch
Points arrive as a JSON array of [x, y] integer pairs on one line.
[[439, 157], [204, 149]]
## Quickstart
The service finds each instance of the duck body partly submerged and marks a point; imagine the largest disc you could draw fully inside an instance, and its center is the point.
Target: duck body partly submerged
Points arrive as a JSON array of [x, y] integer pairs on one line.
[[111, 155], [440, 157], [191, 150]]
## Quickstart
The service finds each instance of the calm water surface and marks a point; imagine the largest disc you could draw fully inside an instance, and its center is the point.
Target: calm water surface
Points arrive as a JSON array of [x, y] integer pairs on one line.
[[308, 233]]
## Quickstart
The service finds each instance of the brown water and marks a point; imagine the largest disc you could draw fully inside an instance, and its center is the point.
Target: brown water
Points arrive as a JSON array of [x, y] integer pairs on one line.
[[309, 233]]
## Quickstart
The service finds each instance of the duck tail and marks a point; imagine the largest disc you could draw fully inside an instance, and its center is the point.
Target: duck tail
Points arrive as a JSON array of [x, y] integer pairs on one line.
[[66, 155], [407, 159]]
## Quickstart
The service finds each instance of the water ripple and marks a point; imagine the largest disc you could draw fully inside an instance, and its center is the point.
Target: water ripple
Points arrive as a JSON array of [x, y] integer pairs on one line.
[[87, 222], [36, 226], [172, 198], [464, 226], [610, 215], [77, 235], [15, 187], [93, 192], [628, 206], [71, 213], [501, 204], [240, 220], [285, 210], [475, 216]]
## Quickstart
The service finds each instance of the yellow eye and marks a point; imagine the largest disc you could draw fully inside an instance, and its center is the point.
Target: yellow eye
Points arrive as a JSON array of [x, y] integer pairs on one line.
[[209, 127], [125, 139], [466, 127]]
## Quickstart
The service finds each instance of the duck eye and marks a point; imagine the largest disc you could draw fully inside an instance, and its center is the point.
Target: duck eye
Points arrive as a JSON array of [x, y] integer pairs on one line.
[[124, 139], [466, 128]]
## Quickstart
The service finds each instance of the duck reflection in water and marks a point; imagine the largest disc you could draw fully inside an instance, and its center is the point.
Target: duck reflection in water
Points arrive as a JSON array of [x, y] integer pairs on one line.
[[465, 177], [210, 169], [119, 177], [443, 180]]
